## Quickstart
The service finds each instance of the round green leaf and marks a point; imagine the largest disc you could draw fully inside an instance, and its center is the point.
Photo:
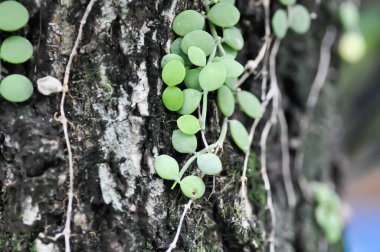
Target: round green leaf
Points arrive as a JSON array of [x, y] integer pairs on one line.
[[184, 143], [187, 21], [209, 164], [349, 15], [188, 124], [16, 50], [239, 135], [229, 51], [230, 82], [192, 79], [175, 48], [193, 187], [173, 98], [226, 101], [212, 76], [166, 167], [16, 88], [300, 21], [169, 57], [224, 15], [13, 16], [192, 98], [173, 73], [250, 104], [197, 56], [232, 37], [333, 228], [352, 47], [288, 2], [233, 68], [200, 39], [280, 23]]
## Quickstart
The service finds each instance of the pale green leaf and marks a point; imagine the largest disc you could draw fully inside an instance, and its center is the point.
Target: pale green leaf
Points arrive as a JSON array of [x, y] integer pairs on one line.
[[187, 21], [212, 76], [209, 164], [239, 135], [13, 16], [184, 143], [169, 57], [280, 23], [300, 21], [16, 88], [224, 15], [233, 37], [16, 50], [200, 39], [226, 101], [197, 56], [173, 98], [193, 187], [166, 167], [250, 104], [173, 73], [192, 79], [192, 98], [188, 124]]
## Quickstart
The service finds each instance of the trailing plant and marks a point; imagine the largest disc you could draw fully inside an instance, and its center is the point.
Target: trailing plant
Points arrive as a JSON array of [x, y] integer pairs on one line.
[[15, 50], [327, 213], [204, 62]]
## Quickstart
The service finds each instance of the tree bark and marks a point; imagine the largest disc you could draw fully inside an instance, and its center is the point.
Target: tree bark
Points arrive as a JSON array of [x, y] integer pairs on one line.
[[118, 125]]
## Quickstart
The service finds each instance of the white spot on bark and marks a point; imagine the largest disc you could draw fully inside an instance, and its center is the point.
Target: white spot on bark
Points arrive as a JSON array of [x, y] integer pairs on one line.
[[108, 185], [30, 211], [141, 91], [49, 85], [108, 15], [42, 247], [156, 189]]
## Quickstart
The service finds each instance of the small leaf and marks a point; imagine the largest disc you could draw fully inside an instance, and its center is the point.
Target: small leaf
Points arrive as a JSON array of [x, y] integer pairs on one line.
[[233, 68], [250, 104], [212, 76], [175, 48], [187, 21], [230, 82], [349, 15], [232, 37], [227, 1], [13, 16], [184, 143], [280, 23], [192, 79], [288, 2], [226, 101], [193, 187], [173, 98], [232, 53], [173, 73], [200, 39], [166, 167], [300, 21], [192, 98], [169, 57], [16, 50], [16, 88], [239, 135], [352, 47], [333, 228], [188, 124], [209, 164], [224, 15], [197, 56]]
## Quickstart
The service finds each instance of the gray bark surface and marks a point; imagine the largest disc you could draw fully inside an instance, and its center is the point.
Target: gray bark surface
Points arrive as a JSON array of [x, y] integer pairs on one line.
[[119, 124]]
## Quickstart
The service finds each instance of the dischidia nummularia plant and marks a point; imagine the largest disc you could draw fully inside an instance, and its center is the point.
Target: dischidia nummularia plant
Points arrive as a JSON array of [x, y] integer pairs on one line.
[[14, 50]]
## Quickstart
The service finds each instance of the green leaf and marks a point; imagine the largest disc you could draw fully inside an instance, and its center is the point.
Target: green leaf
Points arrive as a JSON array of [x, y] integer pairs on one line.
[[233, 37], [197, 56], [349, 15], [169, 57], [173, 73], [209, 164], [227, 1], [192, 79], [352, 47], [300, 21], [173, 98], [333, 228], [16, 50], [16, 88], [184, 143], [230, 82], [13, 16], [250, 104], [233, 68], [188, 124], [239, 135], [232, 53], [187, 21], [192, 98], [175, 48], [280, 23], [226, 101], [224, 15], [200, 39], [288, 2], [166, 167], [193, 187], [212, 76]]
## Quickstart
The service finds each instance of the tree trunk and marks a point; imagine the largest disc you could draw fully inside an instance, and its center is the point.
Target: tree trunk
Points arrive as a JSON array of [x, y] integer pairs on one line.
[[118, 125]]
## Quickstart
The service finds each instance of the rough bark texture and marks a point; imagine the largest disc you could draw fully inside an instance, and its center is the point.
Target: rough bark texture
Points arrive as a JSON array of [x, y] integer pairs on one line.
[[119, 125]]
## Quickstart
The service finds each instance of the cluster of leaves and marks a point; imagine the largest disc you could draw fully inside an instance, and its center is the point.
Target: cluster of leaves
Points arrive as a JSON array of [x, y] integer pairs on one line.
[[297, 18], [327, 213], [204, 62], [352, 46], [15, 50]]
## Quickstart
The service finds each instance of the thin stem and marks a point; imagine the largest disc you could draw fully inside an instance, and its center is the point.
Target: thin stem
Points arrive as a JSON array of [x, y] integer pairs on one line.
[[204, 110]]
